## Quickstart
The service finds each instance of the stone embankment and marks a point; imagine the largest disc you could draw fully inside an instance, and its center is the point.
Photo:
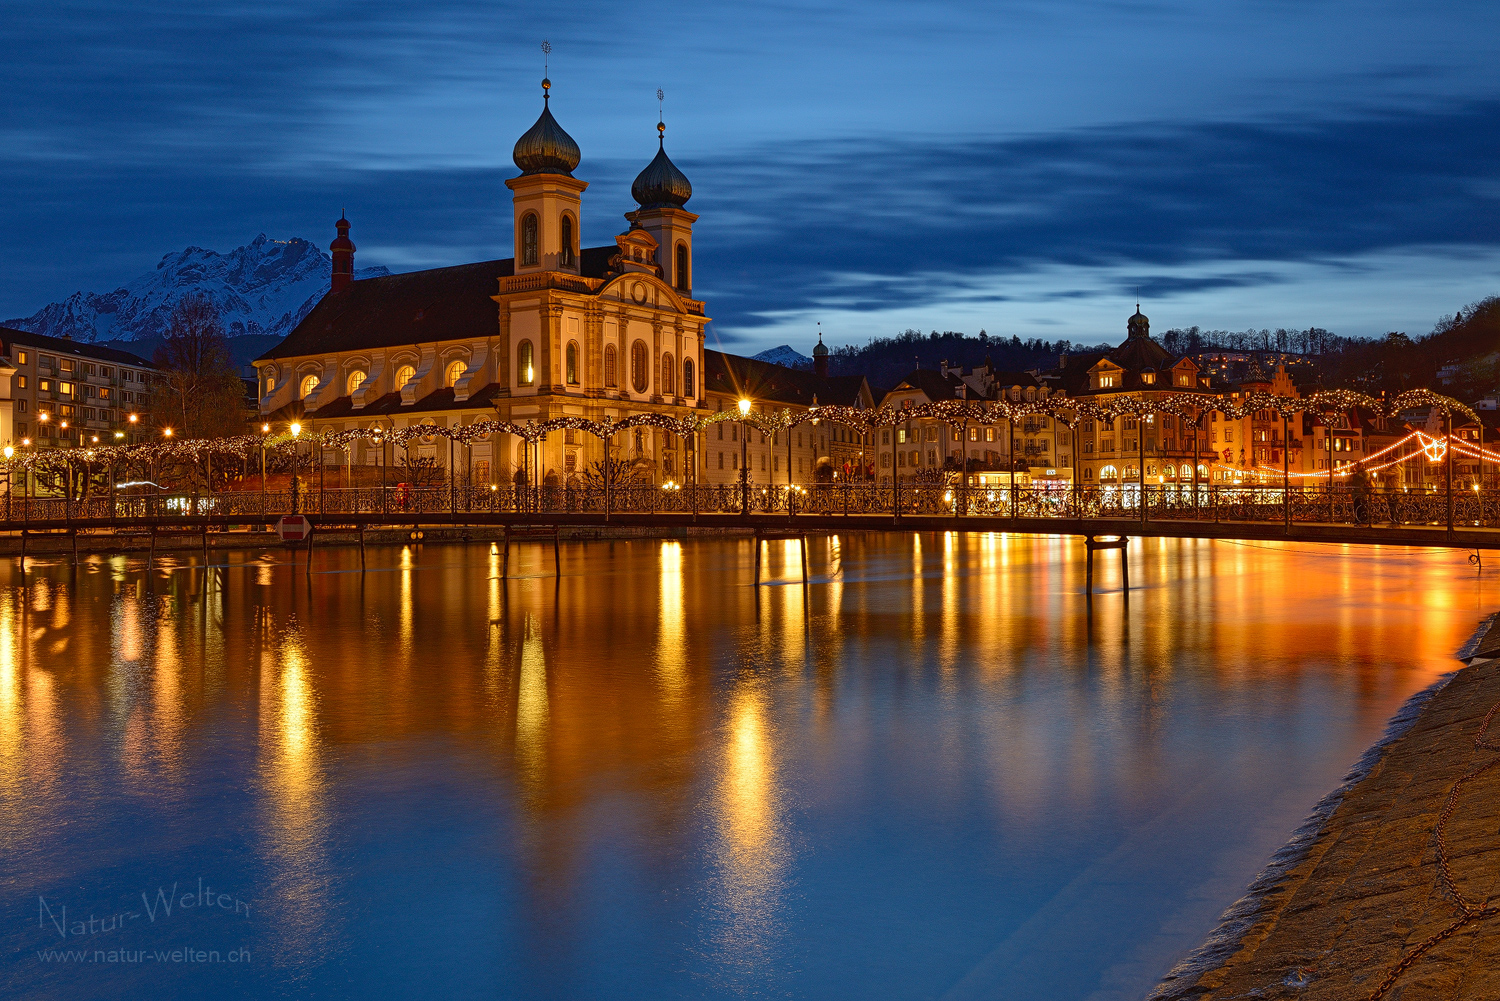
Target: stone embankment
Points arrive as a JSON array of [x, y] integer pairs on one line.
[[1387, 894]]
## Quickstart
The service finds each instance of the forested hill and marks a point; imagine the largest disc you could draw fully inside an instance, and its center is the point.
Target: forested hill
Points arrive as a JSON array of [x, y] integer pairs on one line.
[[885, 360]]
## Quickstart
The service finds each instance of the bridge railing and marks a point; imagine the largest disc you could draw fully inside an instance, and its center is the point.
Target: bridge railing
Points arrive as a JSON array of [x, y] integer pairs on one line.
[[1163, 502]]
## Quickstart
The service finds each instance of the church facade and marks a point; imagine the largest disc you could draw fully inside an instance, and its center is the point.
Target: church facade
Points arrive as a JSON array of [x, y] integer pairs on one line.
[[555, 330]]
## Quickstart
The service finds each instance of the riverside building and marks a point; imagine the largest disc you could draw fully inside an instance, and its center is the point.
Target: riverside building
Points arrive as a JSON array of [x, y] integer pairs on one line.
[[61, 393]]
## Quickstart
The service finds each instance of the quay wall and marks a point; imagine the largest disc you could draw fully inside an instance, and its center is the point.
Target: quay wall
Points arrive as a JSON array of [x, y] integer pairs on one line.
[[1357, 906]]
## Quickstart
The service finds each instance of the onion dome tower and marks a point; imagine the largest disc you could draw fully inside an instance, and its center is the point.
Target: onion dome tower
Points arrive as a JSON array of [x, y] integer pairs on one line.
[[661, 190], [820, 358], [546, 197], [545, 148], [342, 249], [661, 184], [1138, 326]]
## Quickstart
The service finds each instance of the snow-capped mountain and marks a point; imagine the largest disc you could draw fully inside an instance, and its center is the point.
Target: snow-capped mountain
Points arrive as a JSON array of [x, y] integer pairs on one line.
[[264, 287], [786, 355]]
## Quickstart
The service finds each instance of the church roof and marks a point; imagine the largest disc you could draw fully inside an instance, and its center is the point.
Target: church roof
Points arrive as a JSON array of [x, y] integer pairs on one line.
[[417, 307]]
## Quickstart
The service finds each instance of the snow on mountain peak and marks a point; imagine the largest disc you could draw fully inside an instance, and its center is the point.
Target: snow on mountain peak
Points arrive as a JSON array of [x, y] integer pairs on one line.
[[784, 354], [265, 287]]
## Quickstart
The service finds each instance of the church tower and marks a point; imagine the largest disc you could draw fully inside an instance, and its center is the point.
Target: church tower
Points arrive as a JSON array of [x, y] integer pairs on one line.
[[546, 196], [342, 251], [661, 190]]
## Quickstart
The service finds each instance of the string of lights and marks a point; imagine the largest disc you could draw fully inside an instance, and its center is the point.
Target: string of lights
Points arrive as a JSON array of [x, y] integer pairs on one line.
[[1190, 408]]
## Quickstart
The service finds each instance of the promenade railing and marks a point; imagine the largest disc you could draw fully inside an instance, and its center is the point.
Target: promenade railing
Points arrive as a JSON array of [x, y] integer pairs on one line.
[[1162, 502]]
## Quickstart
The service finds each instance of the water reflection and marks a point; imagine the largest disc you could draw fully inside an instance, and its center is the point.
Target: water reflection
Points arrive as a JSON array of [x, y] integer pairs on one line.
[[750, 853], [291, 773], [532, 711], [651, 773]]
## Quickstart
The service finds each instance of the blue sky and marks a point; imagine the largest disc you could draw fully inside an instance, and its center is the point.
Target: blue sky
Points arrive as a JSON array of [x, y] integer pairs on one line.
[[1019, 167]]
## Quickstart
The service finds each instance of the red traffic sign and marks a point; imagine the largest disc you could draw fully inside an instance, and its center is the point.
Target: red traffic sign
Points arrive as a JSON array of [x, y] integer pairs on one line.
[[293, 528]]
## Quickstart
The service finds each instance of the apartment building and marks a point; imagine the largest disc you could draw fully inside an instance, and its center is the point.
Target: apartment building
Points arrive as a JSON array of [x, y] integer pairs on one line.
[[64, 393]]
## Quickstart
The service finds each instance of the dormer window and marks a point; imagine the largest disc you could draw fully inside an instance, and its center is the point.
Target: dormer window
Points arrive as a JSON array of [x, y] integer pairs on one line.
[[1106, 381], [1148, 378]]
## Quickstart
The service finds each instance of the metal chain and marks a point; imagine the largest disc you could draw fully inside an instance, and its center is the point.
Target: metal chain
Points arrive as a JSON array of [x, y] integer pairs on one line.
[[1469, 912]]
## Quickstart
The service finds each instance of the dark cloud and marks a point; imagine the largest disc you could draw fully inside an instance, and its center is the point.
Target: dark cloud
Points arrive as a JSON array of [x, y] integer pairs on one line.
[[859, 222], [132, 131]]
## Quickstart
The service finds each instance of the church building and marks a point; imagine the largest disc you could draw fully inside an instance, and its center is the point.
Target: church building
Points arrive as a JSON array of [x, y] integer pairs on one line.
[[555, 330]]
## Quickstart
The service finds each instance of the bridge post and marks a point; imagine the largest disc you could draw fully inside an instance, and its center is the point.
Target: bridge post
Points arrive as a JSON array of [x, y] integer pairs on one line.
[[803, 540], [1448, 454], [1088, 545], [361, 547], [505, 561]]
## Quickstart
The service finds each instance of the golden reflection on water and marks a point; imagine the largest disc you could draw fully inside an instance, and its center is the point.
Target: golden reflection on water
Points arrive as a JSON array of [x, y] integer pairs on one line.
[[658, 684], [671, 631], [750, 853], [11, 751], [532, 711], [291, 775]]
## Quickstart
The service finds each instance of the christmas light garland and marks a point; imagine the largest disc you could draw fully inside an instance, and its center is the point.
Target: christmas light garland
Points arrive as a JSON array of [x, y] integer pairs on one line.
[[1190, 408]]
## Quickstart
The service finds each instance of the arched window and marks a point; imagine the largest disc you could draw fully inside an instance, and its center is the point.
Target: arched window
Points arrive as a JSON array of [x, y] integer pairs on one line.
[[455, 372], [528, 239], [611, 374], [639, 363], [309, 384], [1187, 472], [356, 379], [525, 370], [572, 359], [567, 242], [683, 279], [1109, 473], [687, 377], [666, 375], [404, 374]]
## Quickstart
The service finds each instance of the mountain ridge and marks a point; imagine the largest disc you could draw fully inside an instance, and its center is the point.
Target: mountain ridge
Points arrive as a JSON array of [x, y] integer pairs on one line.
[[263, 288]]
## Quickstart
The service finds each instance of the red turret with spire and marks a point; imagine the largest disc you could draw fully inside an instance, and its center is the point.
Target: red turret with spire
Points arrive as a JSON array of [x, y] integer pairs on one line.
[[343, 256]]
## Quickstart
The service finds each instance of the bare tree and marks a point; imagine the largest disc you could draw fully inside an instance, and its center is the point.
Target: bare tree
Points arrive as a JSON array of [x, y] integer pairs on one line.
[[204, 393]]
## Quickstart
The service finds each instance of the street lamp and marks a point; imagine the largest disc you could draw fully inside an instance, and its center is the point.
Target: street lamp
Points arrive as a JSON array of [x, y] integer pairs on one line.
[[744, 458], [265, 429], [296, 430]]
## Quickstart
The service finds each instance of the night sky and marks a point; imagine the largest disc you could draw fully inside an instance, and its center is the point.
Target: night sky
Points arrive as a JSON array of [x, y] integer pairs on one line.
[[1019, 167]]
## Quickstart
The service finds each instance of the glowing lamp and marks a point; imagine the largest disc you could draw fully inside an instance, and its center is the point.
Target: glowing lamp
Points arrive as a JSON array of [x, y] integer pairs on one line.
[[296, 430], [134, 418], [9, 451], [744, 407], [166, 432]]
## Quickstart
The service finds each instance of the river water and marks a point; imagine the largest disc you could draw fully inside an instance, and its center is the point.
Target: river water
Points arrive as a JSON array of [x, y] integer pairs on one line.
[[933, 773]]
